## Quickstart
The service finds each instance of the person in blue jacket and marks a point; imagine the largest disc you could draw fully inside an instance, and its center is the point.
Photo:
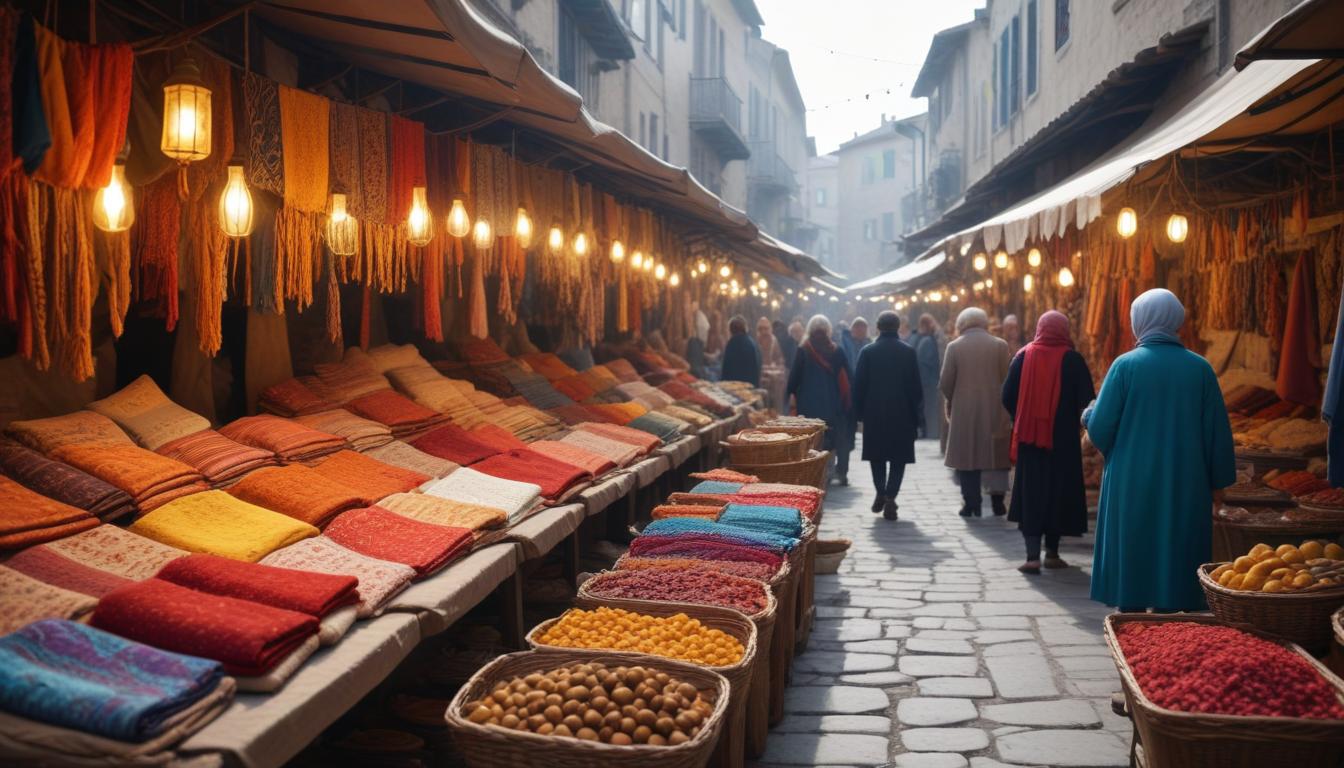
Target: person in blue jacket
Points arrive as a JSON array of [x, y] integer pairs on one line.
[[1161, 424]]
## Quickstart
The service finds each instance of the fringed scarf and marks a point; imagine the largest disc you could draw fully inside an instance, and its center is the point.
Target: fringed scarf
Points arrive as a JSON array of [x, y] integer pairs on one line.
[[207, 253], [264, 289], [345, 167], [204, 177], [60, 166], [408, 165], [31, 134], [479, 319], [304, 122], [113, 253], [9, 35], [65, 238], [110, 73], [333, 302], [157, 230], [298, 253], [372, 126], [265, 156], [36, 210]]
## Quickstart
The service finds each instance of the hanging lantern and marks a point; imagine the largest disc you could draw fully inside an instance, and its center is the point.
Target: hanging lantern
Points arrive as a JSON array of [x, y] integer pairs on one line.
[[674, 280], [113, 206], [1028, 282], [1001, 260], [659, 272], [419, 223], [581, 244], [1127, 222], [1034, 257], [774, 303], [617, 252], [459, 223], [235, 205], [979, 262], [342, 228], [482, 236], [1065, 277], [725, 270], [965, 248], [1177, 228], [723, 287], [648, 263], [522, 228], [186, 114], [637, 260], [989, 283], [555, 240]]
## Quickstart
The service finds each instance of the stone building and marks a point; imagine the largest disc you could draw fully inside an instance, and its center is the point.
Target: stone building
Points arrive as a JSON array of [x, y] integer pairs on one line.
[[875, 172]]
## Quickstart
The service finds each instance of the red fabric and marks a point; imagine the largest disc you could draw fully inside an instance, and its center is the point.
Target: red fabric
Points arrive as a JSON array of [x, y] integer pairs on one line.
[[644, 441], [455, 444], [9, 27], [804, 504], [384, 535], [53, 568], [705, 546], [315, 594], [157, 225], [1299, 362], [408, 165], [1038, 389], [819, 357], [497, 437], [110, 71], [402, 414], [248, 638], [299, 492], [292, 397], [367, 475], [527, 466]]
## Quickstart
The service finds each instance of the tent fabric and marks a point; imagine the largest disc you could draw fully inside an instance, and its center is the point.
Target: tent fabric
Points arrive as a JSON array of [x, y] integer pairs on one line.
[[1310, 30]]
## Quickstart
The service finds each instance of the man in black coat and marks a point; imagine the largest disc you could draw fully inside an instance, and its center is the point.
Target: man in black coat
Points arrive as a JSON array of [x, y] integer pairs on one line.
[[741, 356], [888, 399]]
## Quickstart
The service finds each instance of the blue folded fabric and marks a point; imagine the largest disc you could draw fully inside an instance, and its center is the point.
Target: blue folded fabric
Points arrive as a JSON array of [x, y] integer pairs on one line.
[[781, 521], [716, 487], [674, 526], [68, 674]]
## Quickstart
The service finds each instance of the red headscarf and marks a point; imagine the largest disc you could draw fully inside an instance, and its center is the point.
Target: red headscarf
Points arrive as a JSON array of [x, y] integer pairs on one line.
[[1038, 390]]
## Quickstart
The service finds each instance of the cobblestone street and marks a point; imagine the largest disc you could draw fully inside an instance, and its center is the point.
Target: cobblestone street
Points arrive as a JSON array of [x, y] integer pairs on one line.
[[932, 651]]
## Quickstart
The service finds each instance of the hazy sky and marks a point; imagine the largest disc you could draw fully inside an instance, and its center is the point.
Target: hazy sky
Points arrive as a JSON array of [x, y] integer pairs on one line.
[[844, 49]]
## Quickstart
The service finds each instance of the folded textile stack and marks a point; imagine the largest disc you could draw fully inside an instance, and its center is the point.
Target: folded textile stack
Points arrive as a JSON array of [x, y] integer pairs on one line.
[[440, 511], [578, 358], [151, 480], [299, 492], [378, 580], [645, 395], [83, 427], [690, 416], [216, 523], [618, 453], [117, 551], [407, 456], [536, 389], [24, 599], [574, 387], [596, 464], [558, 480], [705, 511], [455, 444], [220, 460], [27, 517], [369, 477], [785, 522], [662, 426], [406, 418], [290, 441], [617, 413], [384, 535], [622, 370], [497, 437], [62, 482], [55, 569], [679, 526], [745, 569], [704, 547], [527, 423], [717, 487], [433, 390], [488, 378], [804, 498], [145, 413], [548, 365], [362, 434], [686, 394], [467, 485], [480, 351], [601, 378], [351, 378], [726, 475], [571, 415], [291, 398], [642, 440], [75, 695], [390, 356]]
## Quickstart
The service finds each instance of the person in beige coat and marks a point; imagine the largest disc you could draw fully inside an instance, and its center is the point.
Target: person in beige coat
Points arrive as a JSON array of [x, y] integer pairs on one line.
[[979, 429]]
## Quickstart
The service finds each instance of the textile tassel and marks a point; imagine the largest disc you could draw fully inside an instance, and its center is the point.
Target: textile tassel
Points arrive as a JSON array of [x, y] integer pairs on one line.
[[365, 317], [622, 306], [298, 243], [408, 165], [157, 229], [333, 302], [36, 210], [479, 320], [71, 270], [431, 287], [113, 250], [208, 249]]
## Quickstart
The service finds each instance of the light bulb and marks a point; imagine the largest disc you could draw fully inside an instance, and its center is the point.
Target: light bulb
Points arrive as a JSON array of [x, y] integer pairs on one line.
[[659, 271], [637, 260], [723, 287], [1001, 260], [725, 271], [1065, 277], [1177, 228], [989, 283], [965, 248], [556, 239], [342, 228], [482, 236], [648, 263], [419, 222], [733, 283], [113, 206], [774, 303], [762, 284], [522, 228], [954, 298], [701, 267], [1028, 283], [1034, 257], [1127, 222], [581, 244], [675, 279], [235, 205], [459, 223], [979, 262], [617, 252]]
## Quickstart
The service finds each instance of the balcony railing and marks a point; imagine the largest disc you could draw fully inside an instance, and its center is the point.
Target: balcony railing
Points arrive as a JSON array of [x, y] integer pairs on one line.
[[716, 113], [767, 169]]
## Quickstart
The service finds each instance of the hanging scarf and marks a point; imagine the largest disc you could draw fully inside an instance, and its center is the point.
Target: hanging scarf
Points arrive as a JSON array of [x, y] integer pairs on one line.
[[110, 73], [265, 293], [59, 167], [9, 32], [113, 257], [372, 126], [408, 165], [31, 133], [345, 170], [1298, 378], [157, 229], [822, 358], [304, 121], [1039, 388], [265, 156]]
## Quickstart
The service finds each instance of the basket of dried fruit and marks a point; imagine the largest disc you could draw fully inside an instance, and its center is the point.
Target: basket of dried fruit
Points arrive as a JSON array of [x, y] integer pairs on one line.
[[814, 432], [1237, 529], [754, 446], [1206, 695], [1290, 592], [564, 709]]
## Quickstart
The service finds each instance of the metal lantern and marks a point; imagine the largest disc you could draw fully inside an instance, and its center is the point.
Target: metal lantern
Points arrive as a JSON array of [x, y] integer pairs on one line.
[[482, 236], [235, 205], [1177, 228], [459, 223], [522, 228], [113, 205], [186, 114], [1127, 223], [342, 228], [419, 222]]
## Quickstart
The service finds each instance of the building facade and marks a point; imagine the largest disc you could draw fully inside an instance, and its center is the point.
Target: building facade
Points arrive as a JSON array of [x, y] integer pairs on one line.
[[821, 211]]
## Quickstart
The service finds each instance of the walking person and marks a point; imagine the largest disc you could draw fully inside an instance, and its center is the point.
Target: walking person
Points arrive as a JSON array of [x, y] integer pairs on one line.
[[1048, 387], [788, 346], [888, 399], [930, 357], [979, 431], [766, 343], [853, 343], [741, 356], [819, 385], [1161, 424]]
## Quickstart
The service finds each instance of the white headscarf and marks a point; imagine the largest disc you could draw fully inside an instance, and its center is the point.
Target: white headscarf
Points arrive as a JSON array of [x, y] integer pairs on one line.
[[701, 325], [1156, 315], [972, 317]]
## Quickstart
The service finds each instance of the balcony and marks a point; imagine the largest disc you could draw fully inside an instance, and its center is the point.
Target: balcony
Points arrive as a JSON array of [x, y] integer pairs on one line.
[[766, 170], [716, 114]]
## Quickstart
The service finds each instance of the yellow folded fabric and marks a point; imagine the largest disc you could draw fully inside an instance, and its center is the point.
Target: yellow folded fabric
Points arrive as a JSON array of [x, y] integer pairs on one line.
[[220, 524], [439, 511]]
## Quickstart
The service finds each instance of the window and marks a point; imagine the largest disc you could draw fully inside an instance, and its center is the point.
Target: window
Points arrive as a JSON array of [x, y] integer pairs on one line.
[[1061, 23], [572, 56], [889, 226], [723, 67], [1016, 63], [1008, 73], [637, 17], [1032, 45], [1001, 88], [643, 135], [821, 197], [681, 19], [869, 170], [870, 229], [653, 133], [889, 164], [665, 152], [701, 55]]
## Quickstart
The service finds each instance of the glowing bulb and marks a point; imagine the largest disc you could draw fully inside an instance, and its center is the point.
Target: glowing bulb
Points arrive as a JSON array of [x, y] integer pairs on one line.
[[965, 248], [522, 228], [674, 280], [935, 296], [659, 271], [1034, 257], [1127, 223], [701, 267], [581, 244], [1001, 260], [954, 298], [725, 271], [989, 283], [113, 207], [235, 205], [648, 263], [342, 228], [762, 284], [979, 262], [637, 259], [482, 236], [774, 303], [419, 223], [1028, 283], [617, 252], [733, 283], [723, 286], [459, 223], [1065, 277], [556, 239], [186, 115], [1177, 228]]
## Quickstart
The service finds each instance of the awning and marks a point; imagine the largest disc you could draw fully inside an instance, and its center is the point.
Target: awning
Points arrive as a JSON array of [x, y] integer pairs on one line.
[[1314, 29], [902, 276], [602, 27]]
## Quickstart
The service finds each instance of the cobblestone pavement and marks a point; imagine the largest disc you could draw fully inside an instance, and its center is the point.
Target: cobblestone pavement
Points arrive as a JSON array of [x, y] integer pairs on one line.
[[932, 651]]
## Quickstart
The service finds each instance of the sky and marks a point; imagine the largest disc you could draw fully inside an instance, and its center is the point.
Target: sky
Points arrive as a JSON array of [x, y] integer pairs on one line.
[[857, 59]]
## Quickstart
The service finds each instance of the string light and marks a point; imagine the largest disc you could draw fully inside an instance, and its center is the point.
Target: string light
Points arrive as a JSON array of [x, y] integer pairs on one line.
[[522, 228], [235, 205], [1177, 228], [648, 263], [674, 280], [1028, 283], [701, 267], [1001, 260], [659, 272], [556, 239], [637, 260], [1127, 222], [342, 228], [979, 262], [725, 271], [459, 223], [419, 223], [482, 235], [1034, 257], [965, 248], [581, 244], [113, 205], [762, 284], [1065, 277], [617, 252]]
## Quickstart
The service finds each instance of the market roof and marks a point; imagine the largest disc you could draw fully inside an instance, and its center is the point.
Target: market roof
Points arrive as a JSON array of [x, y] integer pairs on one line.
[[898, 277], [944, 44], [1313, 29]]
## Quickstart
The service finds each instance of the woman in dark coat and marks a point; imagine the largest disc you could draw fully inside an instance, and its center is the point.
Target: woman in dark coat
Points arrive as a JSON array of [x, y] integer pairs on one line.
[[1048, 387], [741, 356], [819, 384], [888, 400]]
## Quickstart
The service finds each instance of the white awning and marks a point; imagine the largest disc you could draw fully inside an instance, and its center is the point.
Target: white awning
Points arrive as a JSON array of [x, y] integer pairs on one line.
[[901, 276]]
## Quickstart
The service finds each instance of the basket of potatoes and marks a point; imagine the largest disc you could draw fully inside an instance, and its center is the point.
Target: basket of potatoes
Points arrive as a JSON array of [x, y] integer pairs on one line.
[[582, 710], [1290, 591]]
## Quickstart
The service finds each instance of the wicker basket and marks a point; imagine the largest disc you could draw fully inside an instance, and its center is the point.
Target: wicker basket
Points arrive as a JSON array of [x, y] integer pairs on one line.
[[1298, 617], [816, 434], [1232, 539], [742, 451], [1195, 740], [489, 746], [1336, 658], [810, 471], [731, 749]]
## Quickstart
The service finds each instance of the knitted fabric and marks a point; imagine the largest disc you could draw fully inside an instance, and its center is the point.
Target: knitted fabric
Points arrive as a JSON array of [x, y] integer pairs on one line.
[[26, 600], [725, 475], [703, 547], [785, 522], [440, 511], [219, 459], [51, 567], [63, 482], [378, 580], [373, 161], [345, 172], [292, 397], [745, 569], [615, 451], [455, 444], [304, 122], [360, 433], [594, 463], [117, 551], [467, 485], [554, 477], [407, 165], [219, 524], [299, 492], [717, 487], [315, 594], [369, 476], [407, 456], [706, 512], [48, 434], [155, 242], [109, 73], [385, 535], [152, 480], [145, 413], [290, 441], [744, 536], [265, 153]]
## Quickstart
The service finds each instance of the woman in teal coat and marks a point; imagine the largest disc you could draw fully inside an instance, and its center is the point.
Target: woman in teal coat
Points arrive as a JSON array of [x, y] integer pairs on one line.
[[1161, 424]]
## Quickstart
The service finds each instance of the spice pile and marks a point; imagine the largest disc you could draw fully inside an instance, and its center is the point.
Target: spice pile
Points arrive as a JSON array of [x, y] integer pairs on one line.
[[747, 570], [688, 586], [1191, 667], [675, 637], [1313, 566], [620, 706], [1298, 482]]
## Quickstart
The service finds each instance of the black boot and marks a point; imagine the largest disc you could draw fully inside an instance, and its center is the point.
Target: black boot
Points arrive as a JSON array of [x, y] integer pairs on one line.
[[877, 503], [968, 511], [889, 509], [996, 501]]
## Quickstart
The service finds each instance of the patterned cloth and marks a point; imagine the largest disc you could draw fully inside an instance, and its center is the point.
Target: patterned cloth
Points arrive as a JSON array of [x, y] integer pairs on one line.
[[362, 434], [619, 453], [145, 413], [63, 482], [379, 580], [218, 459], [525, 465], [68, 674], [370, 477], [440, 511], [594, 463], [316, 594], [87, 427], [50, 567], [27, 517], [686, 525], [265, 156], [117, 551], [300, 492], [786, 522], [404, 416], [468, 485], [24, 600], [385, 535], [152, 480], [219, 524], [703, 547], [455, 444], [290, 441], [407, 456], [716, 487], [292, 397]]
